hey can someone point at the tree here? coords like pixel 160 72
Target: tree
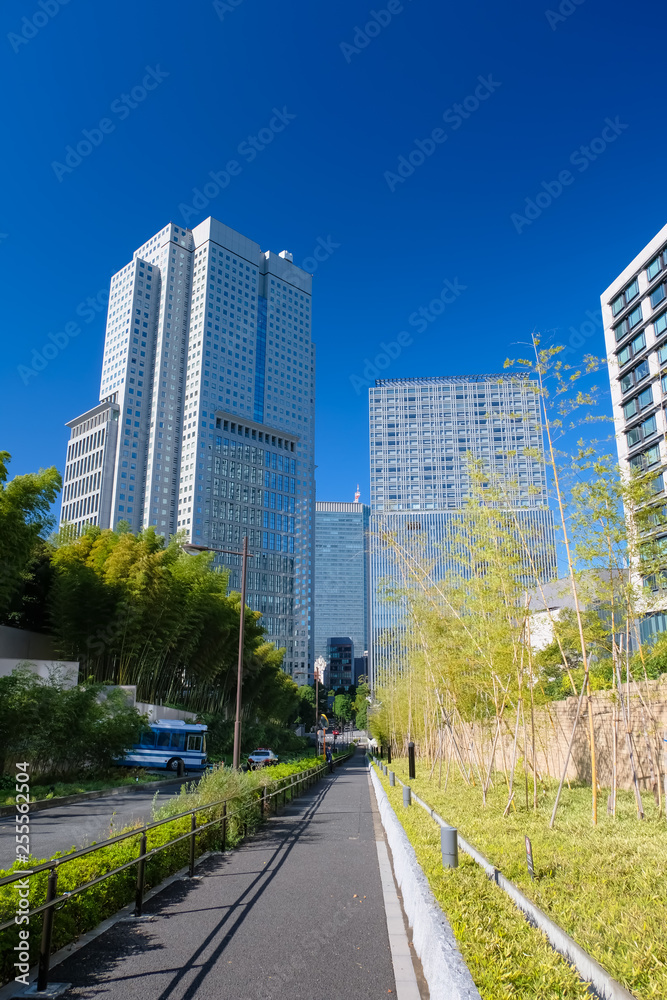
pixel 136 611
pixel 63 730
pixel 343 707
pixel 25 504
pixel 360 706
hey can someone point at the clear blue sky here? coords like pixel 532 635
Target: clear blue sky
pixel 359 104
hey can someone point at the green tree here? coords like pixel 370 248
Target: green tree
pixel 360 706
pixel 25 504
pixel 63 730
pixel 343 707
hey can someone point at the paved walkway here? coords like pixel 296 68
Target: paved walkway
pixel 296 912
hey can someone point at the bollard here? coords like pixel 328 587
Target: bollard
pixel 411 759
pixel 141 868
pixel 389 754
pixel 223 830
pixel 193 828
pixel 47 929
pixel 392 779
pixel 407 795
pixel 180 769
pixel 449 846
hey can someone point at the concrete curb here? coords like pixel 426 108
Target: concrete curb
pixel 590 971
pixel 99 793
pixel 445 971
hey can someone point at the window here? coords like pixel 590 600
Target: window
pixel 642 432
pixel 657 296
pixel 660 324
pixel 654 268
pixel 194 742
pixel 617 305
pixel 635 376
pixel 632 290
pixel 635 317
pixel 634 347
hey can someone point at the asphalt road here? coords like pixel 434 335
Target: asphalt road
pixel 297 911
pixel 79 824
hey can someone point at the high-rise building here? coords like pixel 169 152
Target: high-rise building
pixel 205 424
pixel 340 662
pixel 342 579
pixel 634 313
pixel 422 431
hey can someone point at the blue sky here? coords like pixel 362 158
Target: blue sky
pixel 362 98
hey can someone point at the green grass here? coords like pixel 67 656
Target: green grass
pixel 604 885
pixel 58 789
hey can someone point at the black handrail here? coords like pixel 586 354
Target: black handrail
pixel 52 866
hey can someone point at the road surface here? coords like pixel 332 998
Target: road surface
pixel 80 823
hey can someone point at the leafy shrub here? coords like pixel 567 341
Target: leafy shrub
pixel 85 910
pixel 62 731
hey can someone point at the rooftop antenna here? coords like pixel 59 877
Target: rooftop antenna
pixel 357 494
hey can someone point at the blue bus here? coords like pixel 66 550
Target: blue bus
pixel 166 743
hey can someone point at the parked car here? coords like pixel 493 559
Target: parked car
pixel 262 757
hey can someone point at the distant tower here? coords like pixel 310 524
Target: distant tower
pixel 357 494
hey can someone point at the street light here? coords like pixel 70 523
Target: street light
pixel 194 550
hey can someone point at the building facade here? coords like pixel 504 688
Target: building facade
pixel 634 313
pixel 422 432
pixel 342 574
pixel 206 418
pixel 340 662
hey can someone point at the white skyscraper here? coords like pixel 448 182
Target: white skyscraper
pixel 206 419
pixel 634 312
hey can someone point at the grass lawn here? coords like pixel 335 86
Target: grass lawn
pixel 60 788
pixel 604 885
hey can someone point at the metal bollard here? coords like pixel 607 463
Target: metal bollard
pixel 180 769
pixel 407 795
pixel 411 759
pixel 384 769
pixel 47 930
pixel 449 846
pixel 141 869
pixel 392 779
pixel 193 828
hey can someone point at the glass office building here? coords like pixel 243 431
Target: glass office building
pixel 422 432
pixel 341 574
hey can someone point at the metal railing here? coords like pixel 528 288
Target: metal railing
pixel 290 784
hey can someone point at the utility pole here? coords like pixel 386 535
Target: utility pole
pixel 245 555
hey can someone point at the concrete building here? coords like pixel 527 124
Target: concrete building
pixel 205 424
pixel 421 433
pixel 342 574
pixel 340 662
pixel 634 313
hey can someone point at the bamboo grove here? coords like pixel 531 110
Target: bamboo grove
pixel 485 662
